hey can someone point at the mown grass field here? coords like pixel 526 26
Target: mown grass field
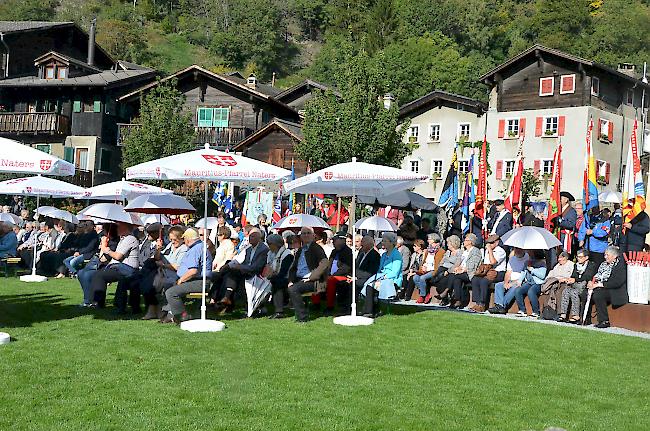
pixel 71 369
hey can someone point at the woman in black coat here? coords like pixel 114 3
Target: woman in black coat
pixel 611 288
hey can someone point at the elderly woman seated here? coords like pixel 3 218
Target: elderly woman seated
pixel 583 272
pixel 450 261
pixel 609 285
pixel 389 276
pixel 556 279
pixel 463 274
pixel 531 285
pixel 278 262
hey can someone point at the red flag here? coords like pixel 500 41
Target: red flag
pixel 555 206
pixel 514 196
pixel 481 187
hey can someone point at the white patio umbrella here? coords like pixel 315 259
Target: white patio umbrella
pixel 611 197
pixel 39 186
pixel 121 190
pixel 376 223
pixel 352 179
pixel 23 159
pixel 60 214
pixel 208 165
pixel 160 204
pixel 530 238
pixel 297 221
pixel 9 218
pixel 207 223
pixel 112 213
pixel 403 200
pixel 155 218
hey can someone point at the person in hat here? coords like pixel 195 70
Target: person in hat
pixel 190 278
pixel 340 268
pixel 567 221
pixel 493 270
pixel 501 221
pixel 594 234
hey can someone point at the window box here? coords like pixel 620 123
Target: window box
pixel 602 181
pixel 512 134
pixel 413 139
pixel 436 176
pixel 549 133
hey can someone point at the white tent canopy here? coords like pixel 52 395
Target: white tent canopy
pixel 23 159
pixel 120 190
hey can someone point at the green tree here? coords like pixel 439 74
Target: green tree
pixel 163 130
pixel 27 10
pixel 122 40
pixel 530 185
pixel 357 125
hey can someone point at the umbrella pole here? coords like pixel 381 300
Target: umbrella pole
pixel 38 202
pixel 205 249
pixel 354 262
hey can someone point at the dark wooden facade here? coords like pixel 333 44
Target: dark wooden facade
pixel 517 82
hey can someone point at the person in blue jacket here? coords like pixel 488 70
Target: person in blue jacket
pixel 388 278
pixel 8 241
pixel 531 286
pixel 595 234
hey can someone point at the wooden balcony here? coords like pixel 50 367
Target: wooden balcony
pixel 82 178
pixel 34 123
pixel 220 137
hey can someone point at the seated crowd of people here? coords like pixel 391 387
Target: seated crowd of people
pixel 158 266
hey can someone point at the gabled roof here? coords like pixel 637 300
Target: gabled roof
pixel 19 26
pixel 194 69
pixel 269 90
pixel 125 65
pixel 306 84
pixel 65 59
pixel 108 79
pixel 294 130
pixel 437 98
pixel 538 50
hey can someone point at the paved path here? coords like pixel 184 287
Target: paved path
pixel 434 307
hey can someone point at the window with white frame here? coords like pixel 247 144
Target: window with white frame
pixel 415 166
pixel 463 131
pixel 509 168
pixel 436 167
pixel 547 167
pixel 414 132
pixel 512 126
pixel 595 86
pixel 463 166
pixel 546 86
pixel 550 126
pixel 434 132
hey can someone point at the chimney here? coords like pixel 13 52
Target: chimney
pixel 273 80
pixel 91 42
pixel 388 100
pixel 251 81
pixel 628 69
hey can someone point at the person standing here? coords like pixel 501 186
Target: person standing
pixel 567 222
pixel 595 238
pixel 501 221
pixel 634 233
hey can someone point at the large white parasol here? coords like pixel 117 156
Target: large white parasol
pixel 208 165
pixel 39 186
pixel 111 213
pixel 22 159
pixel 296 221
pixel 351 179
pixel 121 190
pixel 403 200
pixel 530 238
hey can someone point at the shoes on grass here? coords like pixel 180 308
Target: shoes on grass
pixel 521 314
pixel 602 325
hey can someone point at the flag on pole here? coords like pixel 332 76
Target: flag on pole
pixel 469 197
pixel 449 196
pixel 220 193
pixel 555 206
pixel 590 190
pixel 291 195
pixel 514 195
pixel 633 189
pixel 481 186
pixel 244 221
pixel 277 207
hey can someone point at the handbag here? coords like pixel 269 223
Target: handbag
pixel 483 269
pixel 491 275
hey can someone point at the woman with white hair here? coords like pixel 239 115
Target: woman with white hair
pixel 464 273
pixel 609 285
pixel 383 284
pixel 278 262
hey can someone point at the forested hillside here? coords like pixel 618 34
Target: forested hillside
pixel 419 44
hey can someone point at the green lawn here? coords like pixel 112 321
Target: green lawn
pixel 82 370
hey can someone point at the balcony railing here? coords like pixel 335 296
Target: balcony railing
pixel 82 178
pixel 220 137
pixel 34 123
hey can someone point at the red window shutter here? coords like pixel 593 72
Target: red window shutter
pixel 607 166
pixel 499 169
pixel 610 132
pixel 539 122
pixel 560 125
pixel 595 136
pixel 522 127
pixel 537 167
pixel 502 128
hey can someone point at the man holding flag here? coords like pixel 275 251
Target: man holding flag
pixel 636 223
pixel 448 201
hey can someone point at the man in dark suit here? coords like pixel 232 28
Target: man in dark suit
pixel 237 270
pixel 609 285
pixel 308 272
pixel 501 221
pixel 367 265
pixel 633 239
pixel 340 268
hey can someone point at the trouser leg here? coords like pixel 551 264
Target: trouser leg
pixel 295 293
pixel 533 297
pixel 277 291
pixel 601 298
pixel 369 304
pixel 177 292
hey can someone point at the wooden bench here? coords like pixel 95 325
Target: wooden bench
pixel 10 264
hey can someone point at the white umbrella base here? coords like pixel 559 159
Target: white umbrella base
pixel 353 321
pixel 33 278
pixel 202 325
pixel 4 338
